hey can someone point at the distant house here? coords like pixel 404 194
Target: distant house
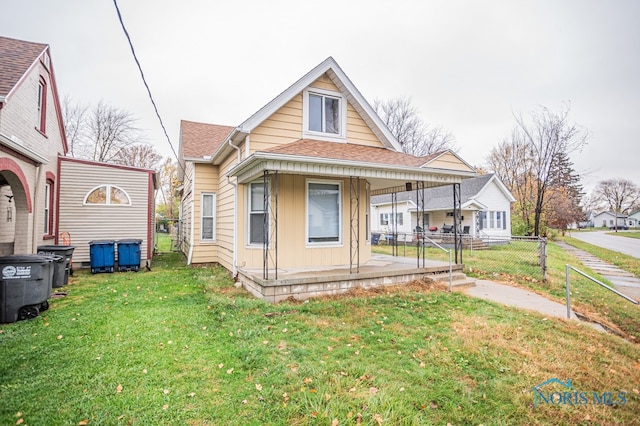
pixel 99 201
pixel 635 217
pixel 31 139
pixel 609 219
pixel 289 189
pixel 485 209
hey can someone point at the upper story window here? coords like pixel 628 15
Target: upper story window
pixel 325 114
pixel 108 195
pixel 42 106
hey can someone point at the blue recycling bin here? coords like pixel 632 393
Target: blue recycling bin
pixel 129 255
pixel 25 286
pixel 103 256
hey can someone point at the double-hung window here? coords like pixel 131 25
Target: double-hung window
pixel 324 212
pixel 208 226
pixel 258 212
pixel 324 114
pixel 42 106
pixel 48 198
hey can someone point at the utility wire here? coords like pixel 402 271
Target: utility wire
pixel 144 80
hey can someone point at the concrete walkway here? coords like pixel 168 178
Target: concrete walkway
pixel 519 298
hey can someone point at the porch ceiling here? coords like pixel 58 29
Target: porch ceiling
pixel 383 178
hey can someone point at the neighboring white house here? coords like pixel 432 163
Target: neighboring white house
pixel 608 220
pixel 635 217
pixel 485 208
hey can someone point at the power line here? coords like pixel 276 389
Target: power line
pixel 144 80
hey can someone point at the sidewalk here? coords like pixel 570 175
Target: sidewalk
pixel 518 297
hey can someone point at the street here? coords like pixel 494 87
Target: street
pixel 630 246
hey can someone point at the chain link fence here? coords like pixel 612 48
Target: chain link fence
pixel 483 255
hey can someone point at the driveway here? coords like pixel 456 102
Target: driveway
pixel 630 246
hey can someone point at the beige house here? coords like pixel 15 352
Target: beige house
pixel 31 139
pixel 283 199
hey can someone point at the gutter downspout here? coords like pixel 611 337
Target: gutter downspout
pixel 235 208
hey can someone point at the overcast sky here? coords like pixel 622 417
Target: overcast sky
pixel 468 66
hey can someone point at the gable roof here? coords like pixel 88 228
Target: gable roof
pixel 201 140
pixel 346 87
pixel 441 197
pixel 16 58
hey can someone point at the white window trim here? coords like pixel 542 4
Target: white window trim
pixel 331 137
pixel 340 214
pixel 47 207
pixel 249 244
pixel 108 200
pixel 202 217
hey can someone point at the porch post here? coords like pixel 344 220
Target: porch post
pixel 354 235
pixel 457 235
pixel 394 224
pixel 270 226
pixel 420 229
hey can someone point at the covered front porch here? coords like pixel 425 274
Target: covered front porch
pixel 294 262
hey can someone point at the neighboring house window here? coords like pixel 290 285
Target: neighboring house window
pixel 42 105
pixel 324 113
pixel 107 195
pixel 48 202
pixel 207 214
pixel 492 220
pixel 324 212
pixel 258 213
pixel 387 218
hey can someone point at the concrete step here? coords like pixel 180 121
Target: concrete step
pixel 458 279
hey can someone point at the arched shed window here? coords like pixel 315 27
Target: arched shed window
pixel 108 195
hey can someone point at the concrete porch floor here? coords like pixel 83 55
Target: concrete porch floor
pixel 303 283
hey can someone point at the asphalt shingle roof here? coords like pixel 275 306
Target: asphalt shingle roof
pixel 201 139
pixel 349 152
pixel 439 197
pixel 16 56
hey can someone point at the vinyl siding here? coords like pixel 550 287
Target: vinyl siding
pixel 206 182
pixel 293 251
pixel 450 162
pixel 87 223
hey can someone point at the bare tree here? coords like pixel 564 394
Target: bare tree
pixel 100 133
pixel 415 136
pixel 168 189
pixel 545 139
pixel 620 196
pixel 139 155
pixel 512 162
pixel 74 115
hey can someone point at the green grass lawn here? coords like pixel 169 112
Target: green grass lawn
pixel 180 345
pixel 587 298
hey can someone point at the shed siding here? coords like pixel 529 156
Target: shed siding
pixel 86 223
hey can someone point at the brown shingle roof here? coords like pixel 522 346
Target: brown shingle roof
pixel 350 152
pixel 201 139
pixel 16 56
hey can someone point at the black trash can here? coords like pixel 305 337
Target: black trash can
pixel 103 256
pixel 67 253
pixel 25 286
pixel 129 255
